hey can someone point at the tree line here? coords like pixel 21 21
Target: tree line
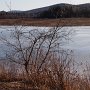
pixel 52 12
pixel 65 12
pixel 13 15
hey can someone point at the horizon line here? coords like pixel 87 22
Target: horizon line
pixel 44 7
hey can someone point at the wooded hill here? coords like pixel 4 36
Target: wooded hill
pixel 55 11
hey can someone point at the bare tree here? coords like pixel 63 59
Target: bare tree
pixel 9 6
pixel 27 45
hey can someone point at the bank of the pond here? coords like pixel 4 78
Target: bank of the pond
pixel 47 22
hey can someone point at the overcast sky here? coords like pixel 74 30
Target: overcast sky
pixel 32 4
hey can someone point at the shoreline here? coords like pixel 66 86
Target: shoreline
pixel 47 22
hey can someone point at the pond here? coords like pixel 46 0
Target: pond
pixel 79 42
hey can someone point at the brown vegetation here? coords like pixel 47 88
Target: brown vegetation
pixel 47 22
pixel 58 75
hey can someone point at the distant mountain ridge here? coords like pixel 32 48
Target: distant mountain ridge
pixel 69 10
pixel 46 8
pixel 81 10
pixel 61 5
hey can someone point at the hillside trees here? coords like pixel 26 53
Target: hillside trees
pixel 65 12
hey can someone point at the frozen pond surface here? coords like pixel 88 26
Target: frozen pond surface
pixel 79 43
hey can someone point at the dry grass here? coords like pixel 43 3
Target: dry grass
pixel 47 22
pixel 57 75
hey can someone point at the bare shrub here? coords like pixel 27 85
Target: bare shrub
pixel 32 47
pixel 37 61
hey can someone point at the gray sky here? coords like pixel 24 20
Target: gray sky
pixel 32 4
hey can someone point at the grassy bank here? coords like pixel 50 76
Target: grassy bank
pixel 61 76
pixel 47 22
